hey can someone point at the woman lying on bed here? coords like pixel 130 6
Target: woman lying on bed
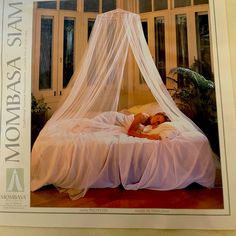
pixel 143 124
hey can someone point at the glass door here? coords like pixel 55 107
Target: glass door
pixel 161 35
pixel 55 52
pixel 45 50
pixel 188 25
pixel 66 49
pixel 181 40
pixel 146 24
pixel 203 44
pixel 178 32
pixel 182 36
pixel 155 28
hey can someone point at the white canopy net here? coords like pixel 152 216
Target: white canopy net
pixel 75 150
pixel 95 86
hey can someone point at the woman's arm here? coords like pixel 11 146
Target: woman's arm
pixel 138 119
pixel 134 133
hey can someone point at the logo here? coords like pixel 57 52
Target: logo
pixel 15 180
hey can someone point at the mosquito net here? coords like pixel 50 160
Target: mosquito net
pixel 95 86
pixel 75 150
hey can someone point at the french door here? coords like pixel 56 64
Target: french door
pixel 55 52
pixel 176 37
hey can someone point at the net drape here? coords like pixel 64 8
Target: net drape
pixel 95 86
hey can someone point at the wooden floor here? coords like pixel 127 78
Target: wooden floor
pixel 193 197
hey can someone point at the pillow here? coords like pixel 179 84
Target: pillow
pixel 150 108
pixel 165 130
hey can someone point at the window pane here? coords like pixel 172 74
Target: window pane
pixel 181 44
pixel 145 31
pixel 160 46
pixel 108 5
pixel 145 6
pixel 182 3
pixel 160 5
pixel 68 5
pixel 203 43
pixel 46 40
pixel 197 2
pixel 47 4
pixel 182 40
pixel 90 26
pixel 68 51
pixel 91 5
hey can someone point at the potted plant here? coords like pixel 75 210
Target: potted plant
pixel 39 112
pixel 195 96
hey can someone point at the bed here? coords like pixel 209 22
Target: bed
pixel 97 153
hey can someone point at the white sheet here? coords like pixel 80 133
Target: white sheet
pixel 84 154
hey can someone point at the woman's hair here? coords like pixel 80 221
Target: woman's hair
pixel 164 115
pixel 148 121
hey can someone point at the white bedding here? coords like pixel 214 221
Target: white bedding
pixel 82 154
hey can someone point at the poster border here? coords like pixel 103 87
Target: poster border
pixel 225 185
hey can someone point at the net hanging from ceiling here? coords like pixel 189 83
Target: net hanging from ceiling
pixel 77 151
pixel 95 86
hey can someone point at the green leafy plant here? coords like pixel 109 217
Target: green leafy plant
pixel 38 105
pixel 194 93
pixel 195 96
